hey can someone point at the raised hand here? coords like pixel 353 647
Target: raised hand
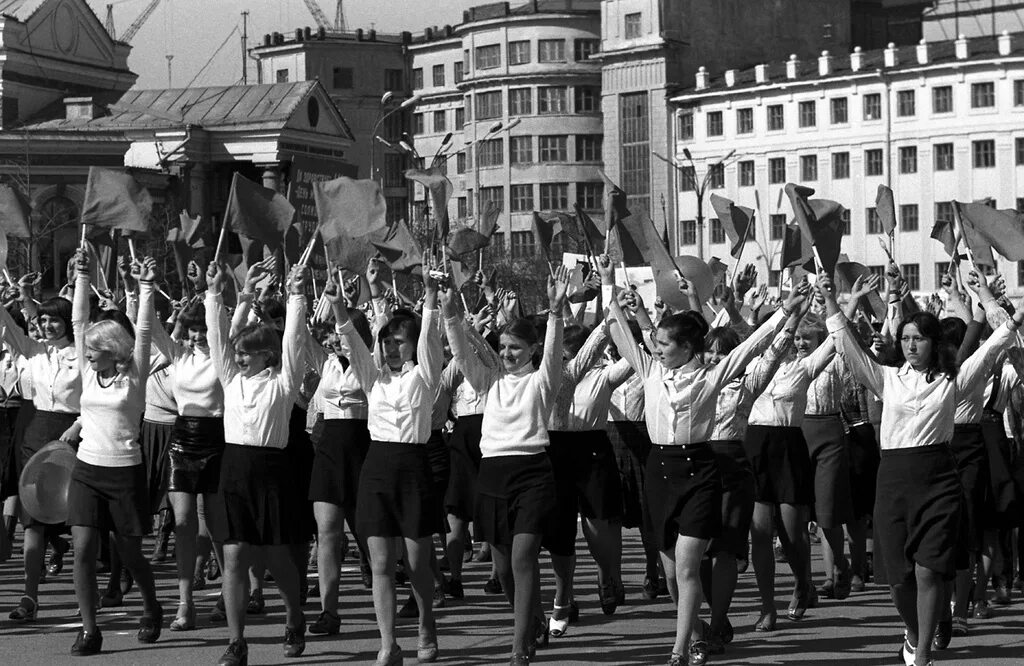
pixel 331 291
pixel 145 270
pixel 298 278
pixel 797 296
pixel 605 269
pixel 758 298
pixel 745 281
pixel 864 285
pixel 558 283
pixel 81 260
pixel 216 275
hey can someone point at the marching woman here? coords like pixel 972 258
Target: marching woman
pixel 108 490
pixel 396 497
pixel 918 508
pixel 684 488
pixel 260 372
pixel 516 486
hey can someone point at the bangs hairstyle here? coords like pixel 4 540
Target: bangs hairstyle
pixel 812 323
pixel 117 317
pixel 943 360
pixel 58 308
pixel 722 339
pixel 402 322
pixel 574 336
pixel 953 330
pixel 259 339
pixel 686 328
pixel 194 316
pixel 524 329
pixel 109 336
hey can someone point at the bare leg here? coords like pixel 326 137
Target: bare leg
pixel 685 563
pixel 130 548
pixel 526 578
pixel 455 544
pixel 186 522
pixel 329 523
pixel 604 538
pixel 565 569
pixel 33 549
pixel 419 553
pixel 235 586
pixel 857 531
pixel 929 598
pixel 795 542
pixel 281 560
pixel 763 559
pixel 87 547
pixel 384 553
pixel 723 586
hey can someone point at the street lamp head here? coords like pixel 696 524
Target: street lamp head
pixel 384 141
pixel 447 139
pixel 686 151
pixel 496 127
pixel 406 147
pixel 386 97
pixel 412 101
pixel 730 154
pixel 512 123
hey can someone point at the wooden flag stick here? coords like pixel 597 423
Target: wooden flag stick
pixel 95 290
pixel 818 263
pixel 304 259
pixel 220 241
pixel 959 221
pixel 743 244
pixel 81 243
pixel 131 249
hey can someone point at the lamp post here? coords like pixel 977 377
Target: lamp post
pixel 383 115
pixel 493 131
pixel 700 189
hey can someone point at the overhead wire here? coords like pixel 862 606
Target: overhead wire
pixel 231 34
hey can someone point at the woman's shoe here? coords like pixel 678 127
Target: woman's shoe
pixel 766 622
pixel 827 590
pixel 609 600
pixel 427 652
pixel 390 657
pixel 327 624
pixel 542 635
pixel 60 548
pixel 698 653
pixel 677 660
pixel 26 610
pixel 185 620
pixel 127 582
pixel 295 641
pixel 907 651
pixel 256 604
pixel 982 611
pixel 561 618
pixel 519 659
pixel 493 586
pixel 237 654
pixel 87 644
pixel 943 634
pixel 842 586
pixel 150 625
pixel 799 604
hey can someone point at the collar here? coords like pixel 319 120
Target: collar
pixel 523 371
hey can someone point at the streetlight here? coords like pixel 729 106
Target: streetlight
pixel 494 129
pixel 382 116
pixel 699 188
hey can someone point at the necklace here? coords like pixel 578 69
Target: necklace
pixel 110 381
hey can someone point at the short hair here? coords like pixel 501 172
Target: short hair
pixel 259 339
pixel 272 309
pixel 194 316
pixel 402 322
pixel 686 327
pixel 58 308
pixel 724 338
pixel 812 323
pixel 118 317
pixel 524 329
pixel 574 336
pixel 954 330
pixel 110 336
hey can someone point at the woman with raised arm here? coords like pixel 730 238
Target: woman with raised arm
pixel 516 486
pixel 108 490
pixel 919 500
pixel 260 373
pixel 396 497
pixel 684 488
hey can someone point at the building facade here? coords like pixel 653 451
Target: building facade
pixel 948 19
pixel 936 122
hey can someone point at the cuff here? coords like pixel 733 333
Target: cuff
pixel 836 322
pixel 607 293
pixel 344 328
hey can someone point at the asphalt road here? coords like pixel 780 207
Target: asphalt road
pixel 861 630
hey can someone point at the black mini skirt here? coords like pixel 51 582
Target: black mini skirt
pixel 464 452
pixel 782 465
pixel 396 495
pixel 684 493
pixel 261 499
pixel 515 495
pixel 339 454
pixel 196 450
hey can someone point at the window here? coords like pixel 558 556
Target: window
pixel 282 76
pixel 488 105
pixel 879 272
pixel 943 157
pixel 522 198
pixel 908 159
pixel 551 50
pixel 396 207
pixel 941 271
pixel 460 118
pixel 520 101
pixel 715 123
pixel 341 78
pixel 495 194
pixel 551 99
pixel 944 212
pixel 687 179
pixel 520 149
pixel 717 232
pixel 777 170
pixel 874 164
pixel 774 278
pixel 590 196
pixel 983 154
pixel 635 146
pixel 584 48
pixel 808 114
pixel 1018 92
pixel 912 274
pixel 840 166
pixel 497 248
pixel 460 163
pixel 460 210
pixel 553 149
pixel 983 95
pixel 394 166
pixel 716 176
pixel 440 122
pixel 438 74
pixel 417 78
pixel 587 99
pixel 518 53
pixel 942 99
pixel 873 107
pixel 776 117
pixel 845 217
pixel 686 126
pixel 840 111
pixel 490 153
pixel 418 123
pixel 457 72
pixel 1018 151
pixel 874 223
pixel 554 196
pixel 906 105
pixel 393 127
pixel 908 217
pixel 488 57
pixel 522 245
pixel 808 167
pixel 777 222
pixel 688 232
pixel 588 147
pixel 394 80
pixel 746 173
pixel 632 26
pixel 744 121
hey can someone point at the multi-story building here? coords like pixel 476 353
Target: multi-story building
pixel 948 19
pixel 936 122
pixel 529 68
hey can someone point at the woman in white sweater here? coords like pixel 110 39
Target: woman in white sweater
pixel 108 488
pixel 516 486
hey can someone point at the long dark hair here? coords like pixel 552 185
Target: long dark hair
pixel 943 360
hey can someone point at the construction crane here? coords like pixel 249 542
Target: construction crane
pixel 109 24
pixel 339 18
pixel 137 25
pixel 321 18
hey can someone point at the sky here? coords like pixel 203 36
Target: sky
pixel 193 30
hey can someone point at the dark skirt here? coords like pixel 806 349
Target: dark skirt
pixel 586 484
pixel 464 453
pixel 440 473
pixel 42 428
pixel 109 499
pixel 339 455
pixel 515 495
pixel 684 493
pixel 261 499
pixel 301 455
pixel 9 453
pixel 782 465
pixel 396 492
pixel 156 443
pixel 1004 506
pixel 918 511
pixel 737 497
pixel 971 458
pixel 632 446
pixel 830 462
pixel 864 459
pixel 197 447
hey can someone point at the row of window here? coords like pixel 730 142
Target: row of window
pixel 524 198
pixel 983 96
pixel 438 75
pixel 547 100
pixel 521 52
pixel 550 149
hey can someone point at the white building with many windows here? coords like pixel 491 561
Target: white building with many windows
pixel 936 122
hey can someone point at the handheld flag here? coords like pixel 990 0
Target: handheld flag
pixel 258 213
pixel 114 199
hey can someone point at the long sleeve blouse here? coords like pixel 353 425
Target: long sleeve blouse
pixel 56 383
pixel 784 402
pixel 573 372
pixel 592 399
pixel 196 388
pixel 737 397
pixel 339 394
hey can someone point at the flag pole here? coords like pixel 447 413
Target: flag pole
pixel 304 258
pixel 743 245
pixel 81 243
pixel 220 240
pixel 959 221
pixel 131 249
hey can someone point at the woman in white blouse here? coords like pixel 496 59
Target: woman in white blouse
pixel 396 499
pixel 261 373
pixel 919 497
